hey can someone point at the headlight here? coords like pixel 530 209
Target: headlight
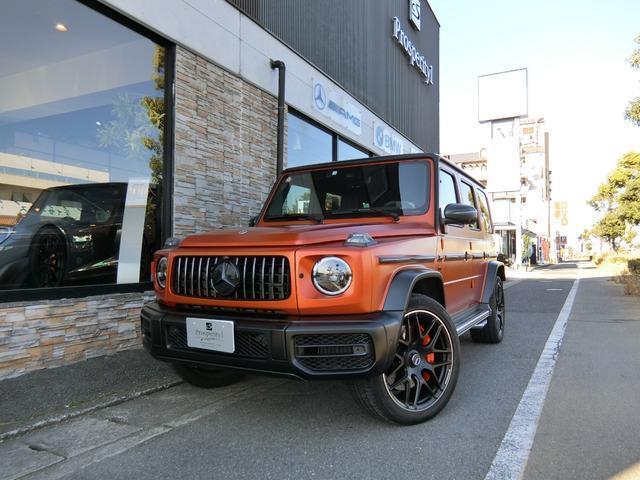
pixel 331 275
pixel 161 272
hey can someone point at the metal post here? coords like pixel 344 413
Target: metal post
pixel 279 64
pixel 518 223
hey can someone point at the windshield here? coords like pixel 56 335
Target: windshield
pixel 94 204
pixel 394 189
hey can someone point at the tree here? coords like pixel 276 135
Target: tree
pixel 621 191
pixel 619 199
pixel 610 228
pixel 632 112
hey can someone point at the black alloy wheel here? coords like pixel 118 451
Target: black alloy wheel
pixel 424 370
pixel 48 259
pixel 423 363
pixel 493 330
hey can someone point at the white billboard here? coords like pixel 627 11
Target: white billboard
pixel 502 95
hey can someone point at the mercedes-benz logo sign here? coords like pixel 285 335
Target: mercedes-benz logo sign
pixel 319 96
pixel 225 278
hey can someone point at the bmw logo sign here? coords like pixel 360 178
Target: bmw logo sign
pixel 319 96
pixel 380 136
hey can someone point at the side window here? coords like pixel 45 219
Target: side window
pixel 485 216
pixel 446 190
pixel 466 197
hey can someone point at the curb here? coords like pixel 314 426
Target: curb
pixel 83 411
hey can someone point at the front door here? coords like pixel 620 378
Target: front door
pixel 454 256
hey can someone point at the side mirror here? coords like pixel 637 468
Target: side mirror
pixel 459 214
pixel 253 221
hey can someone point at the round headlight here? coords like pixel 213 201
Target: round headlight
pixel 331 275
pixel 161 272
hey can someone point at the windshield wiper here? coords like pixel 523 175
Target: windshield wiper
pixel 298 216
pixel 379 211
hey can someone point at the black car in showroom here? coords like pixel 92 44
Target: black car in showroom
pixel 71 236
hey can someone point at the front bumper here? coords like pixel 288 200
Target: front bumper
pixel 305 347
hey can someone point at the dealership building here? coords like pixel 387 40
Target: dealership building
pixel 124 123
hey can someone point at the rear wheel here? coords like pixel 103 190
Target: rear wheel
pixel 424 371
pixel 493 331
pixel 205 377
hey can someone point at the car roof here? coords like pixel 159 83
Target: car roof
pixel 392 158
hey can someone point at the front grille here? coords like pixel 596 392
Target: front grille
pixel 261 277
pixel 145 328
pixel 248 343
pixel 327 352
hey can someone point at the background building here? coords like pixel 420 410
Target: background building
pixel 123 123
pixel 535 193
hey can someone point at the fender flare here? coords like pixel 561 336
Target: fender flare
pixel 397 300
pixel 402 285
pixel 494 269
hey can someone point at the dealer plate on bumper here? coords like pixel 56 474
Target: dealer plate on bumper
pixel 210 334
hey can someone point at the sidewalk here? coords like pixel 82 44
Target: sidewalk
pixel 591 417
pixel 51 395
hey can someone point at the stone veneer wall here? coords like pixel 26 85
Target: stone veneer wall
pixel 225 164
pixel 225 147
pixel 58 332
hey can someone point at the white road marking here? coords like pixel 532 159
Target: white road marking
pixel 511 459
pixel 554 289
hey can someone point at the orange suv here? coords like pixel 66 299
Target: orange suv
pixel 365 270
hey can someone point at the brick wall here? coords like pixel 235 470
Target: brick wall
pixel 225 164
pixel 58 332
pixel 225 147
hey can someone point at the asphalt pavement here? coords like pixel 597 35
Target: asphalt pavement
pixel 274 428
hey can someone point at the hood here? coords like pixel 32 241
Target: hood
pixel 301 234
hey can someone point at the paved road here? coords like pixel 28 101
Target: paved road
pixel 590 424
pixel 273 428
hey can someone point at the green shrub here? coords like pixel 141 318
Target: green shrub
pixel 634 266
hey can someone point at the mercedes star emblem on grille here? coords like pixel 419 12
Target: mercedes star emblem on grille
pixel 225 278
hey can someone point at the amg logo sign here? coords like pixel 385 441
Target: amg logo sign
pixel 416 59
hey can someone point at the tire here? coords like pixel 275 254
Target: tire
pixel 204 377
pixel 493 331
pixel 425 368
pixel 47 259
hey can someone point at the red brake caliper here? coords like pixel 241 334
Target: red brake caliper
pixel 430 357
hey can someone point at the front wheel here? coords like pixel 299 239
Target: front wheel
pixel 47 259
pixel 424 371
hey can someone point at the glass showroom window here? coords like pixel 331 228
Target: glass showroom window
pixel 346 151
pixel 81 147
pixel 307 143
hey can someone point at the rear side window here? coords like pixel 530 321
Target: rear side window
pixel 447 190
pixel 467 197
pixel 485 216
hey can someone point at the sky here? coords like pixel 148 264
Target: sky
pixel 580 81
